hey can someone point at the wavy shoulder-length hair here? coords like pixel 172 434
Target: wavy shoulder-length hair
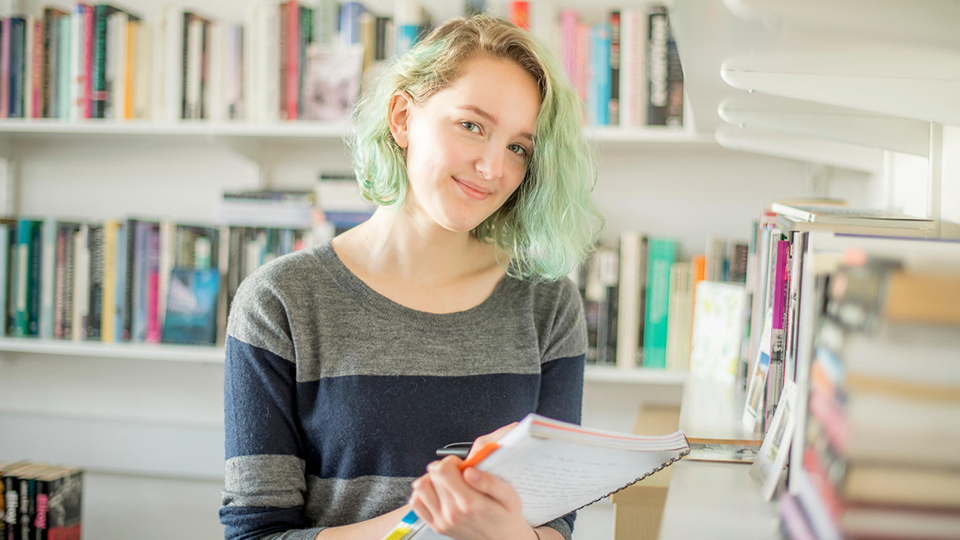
pixel 549 224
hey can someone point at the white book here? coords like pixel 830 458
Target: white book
pixel 233 85
pixel 116 74
pixel 168 230
pixel 248 64
pixel 558 468
pixel 77 77
pixel 81 283
pixel 194 58
pixel 213 94
pixel 143 72
pixel 633 39
pixel 628 316
pixel 48 267
pixel 173 44
pixel 680 315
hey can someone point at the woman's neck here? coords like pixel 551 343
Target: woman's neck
pixel 414 249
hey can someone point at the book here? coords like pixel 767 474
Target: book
pixel 662 253
pixel 846 215
pixel 630 303
pixel 558 468
pixel 333 81
pixel 192 303
pixel 717 328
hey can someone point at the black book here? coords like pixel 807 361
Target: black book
pixel 58 495
pixel 658 32
pixel 95 305
pixel 126 303
pixel 613 112
pixel 35 277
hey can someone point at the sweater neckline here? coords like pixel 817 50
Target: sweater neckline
pixel 370 299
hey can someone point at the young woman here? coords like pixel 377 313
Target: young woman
pixel 444 317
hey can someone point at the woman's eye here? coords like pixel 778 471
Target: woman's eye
pixel 518 150
pixel 470 126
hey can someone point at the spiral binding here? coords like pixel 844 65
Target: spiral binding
pixel 656 470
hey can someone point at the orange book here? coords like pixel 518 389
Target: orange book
pixel 520 14
pixel 127 112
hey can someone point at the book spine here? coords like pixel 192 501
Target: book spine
pixel 153 286
pixel 138 329
pixel 95 286
pixel 662 256
pixel 37 58
pixel 35 276
pixel 100 93
pixel 607 315
pixel 120 272
pixel 4 276
pixel 292 52
pixel 306 38
pixel 89 38
pixel 17 60
pixel 568 42
pixel 644 255
pixel 48 64
pixel 109 288
pixel 68 489
pixel 64 67
pixel 81 283
pixel 658 33
pixel 167 255
pixel 48 281
pixel 520 14
pixel 203 101
pixel 673 114
pixel 629 301
pixel 27 508
pixel 778 333
pixel 131 49
pixel 26 79
pixel 69 271
pixel 14 280
pixel 613 110
pixel 61 276
pixel 5 41
pixel 76 82
pixel 24 233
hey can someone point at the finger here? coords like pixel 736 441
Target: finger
pixel 493 487
pixel 447 480
pixel 416 503
pixel 489 438
pixel 425 494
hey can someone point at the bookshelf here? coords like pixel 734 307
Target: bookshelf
pixel 662 182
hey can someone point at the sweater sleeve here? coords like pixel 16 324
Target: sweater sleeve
pixel 265 482
pixel 561 371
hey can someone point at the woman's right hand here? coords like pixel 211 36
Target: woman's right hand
pixel 489 438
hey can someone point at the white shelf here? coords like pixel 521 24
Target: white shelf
pixel 838 154
pixel 612 374
pixel 215 355
pixel 52 128
pixel 827 122
pixel 139 351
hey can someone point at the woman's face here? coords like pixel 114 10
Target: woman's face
pixel 468 145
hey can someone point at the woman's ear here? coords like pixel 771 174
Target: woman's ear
pixel 400 106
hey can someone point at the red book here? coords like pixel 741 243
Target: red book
pixel 153 286
pixel 818 477
pixel 520 14
pixel 87 60
pixel 293 55
pixel 36 84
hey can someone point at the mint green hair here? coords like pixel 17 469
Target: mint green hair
pixel 551 221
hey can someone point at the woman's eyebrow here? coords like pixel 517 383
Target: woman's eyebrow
pixel 490 118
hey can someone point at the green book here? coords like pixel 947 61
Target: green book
pixel 661 255
pixel 28 256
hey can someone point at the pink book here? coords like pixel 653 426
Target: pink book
pixel 293 53
pixel 583 54
pixel 37 71
pixel 87 59
pixel 153 286
pixel 568 42
pixel 5 69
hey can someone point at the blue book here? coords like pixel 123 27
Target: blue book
pixel 599 97
pixel 192 298
pixel 48 265
pixel 17 52
pixel 406 37
pixel 121 273
pixel 661 256
pixel 350 13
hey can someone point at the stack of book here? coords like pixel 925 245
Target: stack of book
pixel 777 254
pixel 881 456
pixel 625 68
pixel 639 299
pixel 132 280
pixel 286 61
pixel 40 501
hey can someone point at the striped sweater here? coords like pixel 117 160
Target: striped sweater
pixel 336 398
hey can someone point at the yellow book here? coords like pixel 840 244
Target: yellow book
pixel 132 28
pixel 108 320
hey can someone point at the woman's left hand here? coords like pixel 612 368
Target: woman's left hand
pixel 468 505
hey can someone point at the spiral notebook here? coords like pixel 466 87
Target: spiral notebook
pixel 558 468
